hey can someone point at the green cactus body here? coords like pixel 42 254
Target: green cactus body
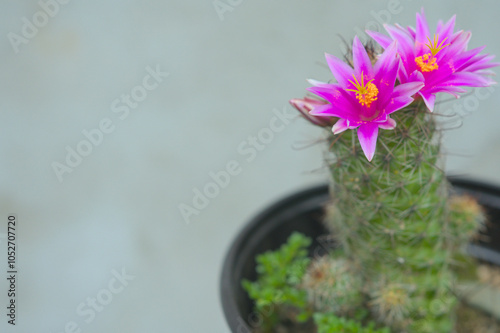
pixel 400 235
pixel 390 216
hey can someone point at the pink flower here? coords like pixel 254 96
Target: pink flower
pixel 442 59
pixel 365 95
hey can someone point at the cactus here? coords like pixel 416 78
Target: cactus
pixel 390 215
pixel 399 230
pixel 401 234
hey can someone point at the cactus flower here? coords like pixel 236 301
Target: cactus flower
pixel 442 58
pixel 364 96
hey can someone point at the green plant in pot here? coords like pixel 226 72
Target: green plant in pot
pixel 399 231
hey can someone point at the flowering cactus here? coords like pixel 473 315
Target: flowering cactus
pixel 365 96
pixel 391 213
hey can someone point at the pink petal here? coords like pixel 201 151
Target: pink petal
pixel 411 31
pixel 367 136
pixel 323 110
pixel 397 103
pixel 446 31
pixel 400 27
pixel 405 46
pixel 416 76
pixel 408 89
pixel 465 59
pixel 382 118
pixel 342 103
pixel 389 124
pixel 402 74
pixel 422 28
pixel 387 60
pixel 402 94
pixel 386 70
pixel 429 100
pixel 468 79
pixel 362 63
pixel 340 126
pixel 484 63
pixel 459 44
pixel 381 39
pixel 447 89
pixel 330 110
pixel 330 92
pixel 340 70
pixel 439 27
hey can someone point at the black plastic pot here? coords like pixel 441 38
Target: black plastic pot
pixel 303 212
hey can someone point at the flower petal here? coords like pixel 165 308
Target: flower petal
pixel 411 31
pixel 340 126
pixel 340 70
pixel 406 47
pixel 386 70
pixel 397 104
pixel 469 79
pixel 362 63
pixel 329 110
pixel 422 28
pixel 324 110
pixel 429 99
pixel 408 89
pixel 330 92
pixel 389 124
pixel 381 39
pixel 402 96
pixel 446 31
pixel 402 74
pixel 342 103
pixel 367 136
pixel 448 89
pixel 458 45
pixel 484 63
pixel 465 59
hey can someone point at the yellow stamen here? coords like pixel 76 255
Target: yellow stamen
pixel 367 93
pixel 433 45
pixel 427 63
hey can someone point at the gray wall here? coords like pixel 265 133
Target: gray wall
pixel 118 208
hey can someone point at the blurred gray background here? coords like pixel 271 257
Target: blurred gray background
pixel 103 245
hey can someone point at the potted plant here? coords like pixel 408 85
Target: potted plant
pixel 396 229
